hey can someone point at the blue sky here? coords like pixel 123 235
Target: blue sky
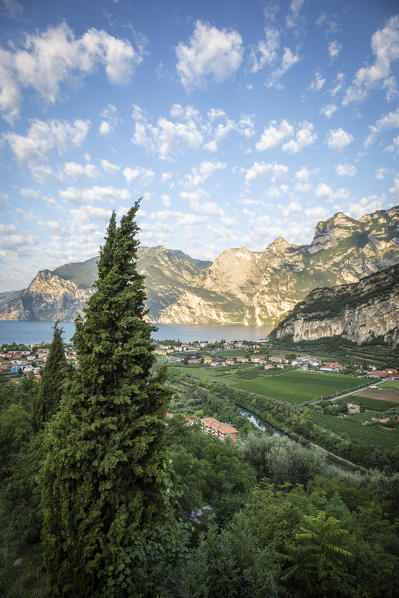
pixel 236 122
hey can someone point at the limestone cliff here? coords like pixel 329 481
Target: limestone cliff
pixel 359 311
pixel 63 293
pixel 245 287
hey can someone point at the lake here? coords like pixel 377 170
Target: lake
pixel 35 332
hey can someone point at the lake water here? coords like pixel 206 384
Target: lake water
pixel 35 332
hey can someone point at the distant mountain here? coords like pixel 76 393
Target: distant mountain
pixel 246 287
pixel 62 293
pixel 359 312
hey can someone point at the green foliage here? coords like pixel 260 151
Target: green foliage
pixel 52 382
pixel 103 477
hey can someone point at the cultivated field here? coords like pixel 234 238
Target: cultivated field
pixel 289 386
pixel 379 394
pixel 299 387
pixel 352 429
pixel 367 403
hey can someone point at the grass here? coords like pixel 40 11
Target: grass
pixel 351 429
pixel 299 387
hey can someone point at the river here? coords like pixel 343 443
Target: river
pixel 35 332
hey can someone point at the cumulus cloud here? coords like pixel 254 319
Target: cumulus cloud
pixel 93 194
pixel 109 167
pixel 380 173
pixel 198 202
pixel 288 60
pixel 345 170
pixel 366 205
pixel 110 120
pixel 200 174
pixel 266 50
pixel 146 175
pixel 317 84
pixel 186 129
pixel 328 110
pixel 385 123
pixel 42 137
pixel 79 171
pixel 338 139
pixel 324 191
pixel 260 169
pixel 210 54
pixel 48 59
pixel 274 135
pixel 316 212
pixel 395 188
pixel 303 174
pixel 334 48
pixel 385 47
pixel 304 137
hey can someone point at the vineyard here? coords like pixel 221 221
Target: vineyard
pixel 370 436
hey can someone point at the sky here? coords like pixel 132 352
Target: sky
pixel 235 122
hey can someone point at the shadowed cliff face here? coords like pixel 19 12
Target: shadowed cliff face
pixel 245 287
pixel 63 293
pixel 239 287
pixel 359 311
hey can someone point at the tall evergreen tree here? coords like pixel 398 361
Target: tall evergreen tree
pixel 103 478
pixel 48 399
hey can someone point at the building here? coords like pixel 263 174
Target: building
pixel 352 408
pixel 380 419
pixel 210 425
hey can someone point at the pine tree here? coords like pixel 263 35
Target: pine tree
pixel 103 478
pixel 48 399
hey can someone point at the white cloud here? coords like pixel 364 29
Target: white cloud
pixel 260 169
pixel 211 53
pixel 380 173
pixel 345 170
pixel 395 188
pixel 339 85
pixel 303 174
pixel 197 200
pixel 109 167
pixel 338 139
pixel 146 175
pixel 93 194
pixel 110 121
pixel 46 60
pixel 42 137
pixel 385 46
pixel 366 205
pixel 324 191
pixel 266 50
pixel 104 127
pixel 293 17
pixel 288 60
pixel 200 174
pixel 78 171
pixel 317 84
pixel 10 8
pixel 274 135
pixel 317 212
pixel 328 110
pixel 292 208
pixel 385 123
pixel 334 48
pixel 303 138
pixel 166 200
pixel 187 130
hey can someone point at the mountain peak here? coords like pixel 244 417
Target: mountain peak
pixel 279 244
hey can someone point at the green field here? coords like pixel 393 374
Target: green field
pixel 352 429
pixel 299 387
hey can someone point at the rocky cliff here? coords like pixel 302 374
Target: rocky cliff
pixel 62 293
pixel 245 287
pixel 359 311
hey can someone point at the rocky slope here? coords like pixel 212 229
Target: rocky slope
pixel 62 293
pixel 245 287
pixel 359 311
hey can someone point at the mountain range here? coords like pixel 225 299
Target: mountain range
pixel 239 287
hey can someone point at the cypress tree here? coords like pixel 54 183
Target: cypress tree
pixel 48 399
pixel 103 478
